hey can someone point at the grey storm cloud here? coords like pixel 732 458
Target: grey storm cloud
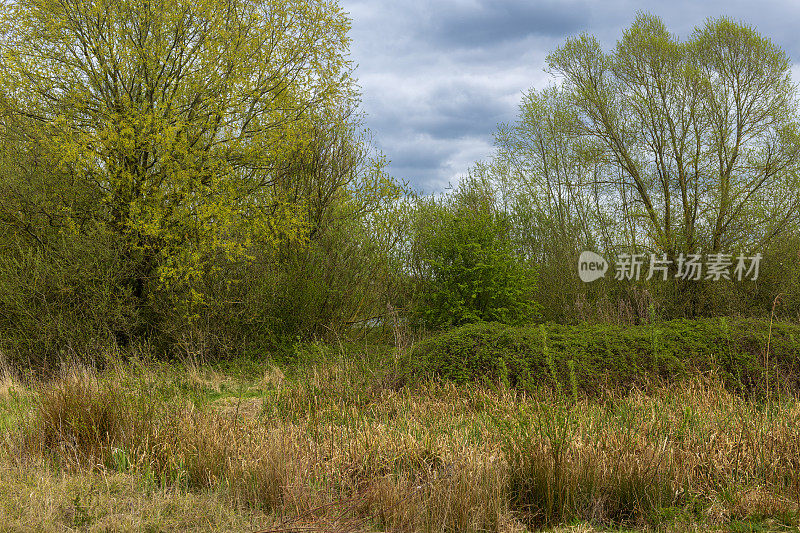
pixel 451 110
pixel 492 23
pixel 414 156
pixel 438 77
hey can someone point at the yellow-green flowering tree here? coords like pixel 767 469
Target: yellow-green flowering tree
pixel 169 122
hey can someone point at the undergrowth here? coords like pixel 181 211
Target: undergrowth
pixel 598 357
pixel 335 441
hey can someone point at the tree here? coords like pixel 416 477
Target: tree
pixel 659 146
pixel 341 276
pixel 168 121
pixel 701 136
pixel 543 174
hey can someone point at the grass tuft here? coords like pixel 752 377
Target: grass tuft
pixel 78 418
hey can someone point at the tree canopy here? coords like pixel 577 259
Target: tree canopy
pixel 698 138
pixel 657 146
pixel 169 121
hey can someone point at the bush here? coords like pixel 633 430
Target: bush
pixel 595 357
pixel 467 267
pixel 66 300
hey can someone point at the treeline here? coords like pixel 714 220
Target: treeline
pixel 660 146
pixel 195 178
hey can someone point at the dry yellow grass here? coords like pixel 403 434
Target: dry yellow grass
pixel 337 449
pixel 7 385
pixel 35 498
pixel 7 381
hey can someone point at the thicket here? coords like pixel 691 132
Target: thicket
pixel 592 358
pixel 663 145
pixel 205 200
pixel 142 217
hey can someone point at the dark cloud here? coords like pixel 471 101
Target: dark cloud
pixel 450 111
pixel 492 23
pixel 465 123
pixel 437 77
pixel 417 154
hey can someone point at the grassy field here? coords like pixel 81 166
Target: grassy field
pixel 338 439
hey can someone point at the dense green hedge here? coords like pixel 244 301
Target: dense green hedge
pixel 596 357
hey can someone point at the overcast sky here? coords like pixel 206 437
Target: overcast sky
pixel 438 76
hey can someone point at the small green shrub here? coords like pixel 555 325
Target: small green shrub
pixel 467 267
pixel 594 357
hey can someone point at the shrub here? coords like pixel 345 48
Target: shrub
pixel 65 300
pixel 467 267
pixel 598 356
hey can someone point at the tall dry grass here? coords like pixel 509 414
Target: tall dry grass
pixel 7 380
pixel 332 446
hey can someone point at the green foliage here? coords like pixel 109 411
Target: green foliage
pixel 66 301
pixel 467 266
pixel 542 173
pixel 592 358
pixel 328 286
pixel 176 117
pixel 659 145
pixel 323 289
pixel 190 174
